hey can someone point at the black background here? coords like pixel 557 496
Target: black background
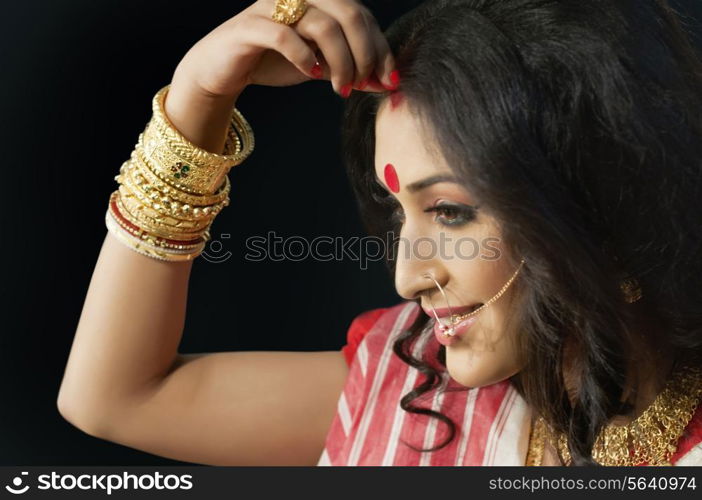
pixel 77 81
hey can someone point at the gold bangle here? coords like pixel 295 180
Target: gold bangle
pixel 144 248
pixel 184 165
pixel 138 207
pixel 153 240
pixel 142 174
pixel 165 205
pixel 144 228
pixel 238 146
pixel 166 131
pixel 170 191
pixel 142 169
pixel 140 230
pixel 156 227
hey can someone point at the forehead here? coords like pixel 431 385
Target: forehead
pixel 401 139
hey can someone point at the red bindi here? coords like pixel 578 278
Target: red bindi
pixel 391 178
pixel 396 99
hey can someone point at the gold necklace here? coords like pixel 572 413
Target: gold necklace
pixel 651 438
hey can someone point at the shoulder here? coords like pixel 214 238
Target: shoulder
pixel 378 321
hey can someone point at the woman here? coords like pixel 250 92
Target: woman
pixel 537 165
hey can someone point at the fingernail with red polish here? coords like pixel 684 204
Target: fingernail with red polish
pixel 346 90
pixel 363 84
pixel 395 78
pixel 316 70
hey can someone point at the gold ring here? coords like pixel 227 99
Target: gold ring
pixel 288 11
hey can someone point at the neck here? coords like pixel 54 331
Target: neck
pixel 648 371
pixel 646 378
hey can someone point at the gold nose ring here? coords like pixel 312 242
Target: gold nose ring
pixel 446 330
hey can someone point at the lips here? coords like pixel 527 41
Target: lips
pixel 444 312
pixel 459 330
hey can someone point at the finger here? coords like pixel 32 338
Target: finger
pixel 385 63
pixel 326 32
pixel 352 17
pixel 263 32
pixel 372 84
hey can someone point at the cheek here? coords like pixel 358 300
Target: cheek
pixel 488 356
pixel 479 368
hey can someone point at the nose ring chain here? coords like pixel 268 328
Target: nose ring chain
pixel 449 329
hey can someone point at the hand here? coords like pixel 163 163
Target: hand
pixel 250 48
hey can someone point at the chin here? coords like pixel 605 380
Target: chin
pixel 472 369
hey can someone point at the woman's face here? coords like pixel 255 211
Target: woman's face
pixel 443 235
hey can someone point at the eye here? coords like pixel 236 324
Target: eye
pixel 451 214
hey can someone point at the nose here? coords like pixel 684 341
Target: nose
pixel 412 268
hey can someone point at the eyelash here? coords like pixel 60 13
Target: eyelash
pixel 464 213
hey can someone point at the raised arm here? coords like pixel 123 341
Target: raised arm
pixel 124 380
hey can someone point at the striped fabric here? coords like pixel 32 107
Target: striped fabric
pixel 369 428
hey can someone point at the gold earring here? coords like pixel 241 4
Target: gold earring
pixel 631 289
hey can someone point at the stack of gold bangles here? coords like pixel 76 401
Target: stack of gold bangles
pixel 170 190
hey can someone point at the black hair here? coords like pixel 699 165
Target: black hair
pixel 578 126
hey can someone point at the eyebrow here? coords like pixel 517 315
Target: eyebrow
pixel 425 183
